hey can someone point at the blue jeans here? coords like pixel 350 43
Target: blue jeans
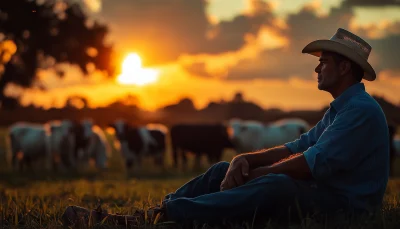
pixel 269 196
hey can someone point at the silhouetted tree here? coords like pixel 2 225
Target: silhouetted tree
pixel 184 105
pixel 45 34
pixel 187 104
pixel 238 98
pixel 10 103
pixel 129 100
pixel 77 102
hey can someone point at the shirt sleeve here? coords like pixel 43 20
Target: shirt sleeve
pixel 340 147
pixel 306 140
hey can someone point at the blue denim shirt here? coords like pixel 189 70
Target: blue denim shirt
pixel 348 150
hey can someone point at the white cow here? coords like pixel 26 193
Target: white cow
pixel 248 136
pixel 28 142
pixel 97 147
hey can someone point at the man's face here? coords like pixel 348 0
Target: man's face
pixel 328 72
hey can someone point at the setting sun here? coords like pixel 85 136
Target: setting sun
pixel 133 73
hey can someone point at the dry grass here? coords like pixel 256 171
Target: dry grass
pixel 42 197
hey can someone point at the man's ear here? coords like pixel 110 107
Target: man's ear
pixel 344 67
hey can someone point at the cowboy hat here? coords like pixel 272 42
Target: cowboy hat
pixel 348 45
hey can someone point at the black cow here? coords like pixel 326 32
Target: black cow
pixel 137 142
pixel 208 139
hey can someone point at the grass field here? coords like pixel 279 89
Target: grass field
pixel 42 197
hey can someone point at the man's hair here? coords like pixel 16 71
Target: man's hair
pixel 356 69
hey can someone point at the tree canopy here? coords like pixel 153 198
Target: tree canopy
pixel 39 35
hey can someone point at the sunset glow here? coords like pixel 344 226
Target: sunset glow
pixel 134 74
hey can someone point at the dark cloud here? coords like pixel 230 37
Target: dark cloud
pixel 278 63
pixel 371 2
pixel 305 27
pixel 283 63
pixel 162 30
pixel 388 52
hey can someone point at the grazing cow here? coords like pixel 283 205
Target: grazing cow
pixel 83 131
pixel 98 148
pixel 137 142
pixel 208 139
pixel 28 142
pixel 249 136
pixel 91 144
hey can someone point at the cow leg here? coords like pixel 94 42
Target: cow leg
pixel 139 160
pixel 159 159
pixel 49 152
pixel 184 160
pixel 19 161
pixel 71 152
pixel 28 162
pixel 15 160
pixel 128 164
pixel 56 161
pixel 175 157
pixel 197 160
pixel 15 152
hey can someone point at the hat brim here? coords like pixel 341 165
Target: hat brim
pixel 316 47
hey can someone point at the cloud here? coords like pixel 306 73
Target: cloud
pixel 371 2
pixel 378 30
pixel 387 49
pixel 198 69
pixel 306 26
pixel 217 66
pixel 283 63
pixel 162 30
pixel 93 5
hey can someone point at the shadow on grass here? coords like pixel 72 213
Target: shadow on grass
pixel 25 178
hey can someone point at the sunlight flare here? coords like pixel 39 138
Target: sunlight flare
pixel 134 74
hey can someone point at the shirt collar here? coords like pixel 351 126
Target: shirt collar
pixel 342 99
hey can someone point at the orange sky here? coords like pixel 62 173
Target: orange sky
pixel 267 68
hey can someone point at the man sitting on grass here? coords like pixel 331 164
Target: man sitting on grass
pixel 342 163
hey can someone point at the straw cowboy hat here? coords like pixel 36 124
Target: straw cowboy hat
pixel 348 45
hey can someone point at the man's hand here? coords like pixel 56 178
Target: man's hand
pixel 237 174
pixel 258 172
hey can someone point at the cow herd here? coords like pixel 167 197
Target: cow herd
pixel 68 144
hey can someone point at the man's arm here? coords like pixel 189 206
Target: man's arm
pixel 270 156
pixel 295 166
pixel 266 156
pixel 335 151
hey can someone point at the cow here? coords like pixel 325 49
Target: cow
pixel 250 136
pixel 62 143
pixel 26 143
pixel 91 144
pixel 137 142
pixel 97 148
pixel 208 139
pixel 52 141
